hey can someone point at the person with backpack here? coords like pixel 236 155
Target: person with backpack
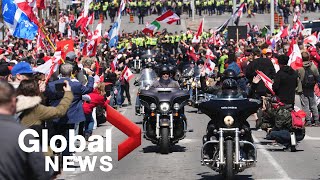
pixel 308 77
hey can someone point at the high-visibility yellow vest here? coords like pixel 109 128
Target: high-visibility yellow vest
pixel 179 4
pixel 230 2
pixel 305 1
pixel 317 1
pixel 218 3
pixel 297 1
pixel 209 3
pixel 172 41
pixel 197 3
pixel 105 6
pixel 169 3
pixel 140 3
pixel 205 3
pixel 154 41
pixel 90 5
pixel 148 3
pixel 177 38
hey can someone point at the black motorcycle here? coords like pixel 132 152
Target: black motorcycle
pixel 164 121
pixel 228 146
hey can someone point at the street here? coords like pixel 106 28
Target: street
pixel 184 162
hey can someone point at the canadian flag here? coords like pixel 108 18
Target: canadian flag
pixel 285 32
pixel 267 81
pixel 295 58
pixel 127 74
pixel 209 65
pixel 312 39
pixel 50 66
pixel 209 54
pixel 196 38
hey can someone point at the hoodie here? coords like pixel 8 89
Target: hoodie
pixel 285 83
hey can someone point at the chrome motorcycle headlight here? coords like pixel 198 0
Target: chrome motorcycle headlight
pixel 228 120
pixel 165 107
pixel 176 106
pixel 153 106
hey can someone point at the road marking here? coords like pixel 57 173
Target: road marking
pixel 272 161
pixel 185 141
pixel 306 137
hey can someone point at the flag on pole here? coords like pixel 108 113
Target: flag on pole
pixel 114 31
pixel 197 38
pixel 127 74
pixel 151 28
pixel 168 17
pixel 238 14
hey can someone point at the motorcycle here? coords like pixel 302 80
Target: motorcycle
pixel 230 149
pixel 164 122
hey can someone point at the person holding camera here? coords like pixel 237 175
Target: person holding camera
pixel 75 114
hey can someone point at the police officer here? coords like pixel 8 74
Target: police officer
pixel 141 11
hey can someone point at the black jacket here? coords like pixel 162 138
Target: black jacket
pixel 262 64
pixel 285 83
pixel 16 164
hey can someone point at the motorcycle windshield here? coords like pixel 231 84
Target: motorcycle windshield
pixel 231 102
pixel 147 77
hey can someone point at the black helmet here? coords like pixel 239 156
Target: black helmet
pixel 229 84
pixel 229 73
pixel 149 65
pixel 164 69
pixel 200 61
pixel 192 62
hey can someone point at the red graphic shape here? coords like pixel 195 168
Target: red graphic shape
pixel 126 126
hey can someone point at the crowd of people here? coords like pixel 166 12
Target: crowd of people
pixel 74 96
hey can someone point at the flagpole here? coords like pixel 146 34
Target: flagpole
pixel 49 40
pixel 192 7
pixel 234 8
pixel 272 16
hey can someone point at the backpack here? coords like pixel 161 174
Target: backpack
pixel 309 79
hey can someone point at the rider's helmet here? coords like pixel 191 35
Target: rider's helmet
pixel 192 62
pixel 164 70
pixel 229 84
pixel 149 65
pixel 200 61
pixel 229 74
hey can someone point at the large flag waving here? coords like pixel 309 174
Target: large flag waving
pixel 150 28
pixel 168 17
pixel 114 31
pixel 238 14
pixel 17 21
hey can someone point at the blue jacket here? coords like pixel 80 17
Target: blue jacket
pixel 75 113
pixel 234 66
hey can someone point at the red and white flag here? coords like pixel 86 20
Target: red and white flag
pixel 312 39
pixel 285 32
pixel 168 17
pixel 127 74
pixel 295 58
pixel 209 54
pixel 267 81
pixel 209 65
pixel 196 38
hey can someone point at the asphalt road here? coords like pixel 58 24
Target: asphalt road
pixel 184 162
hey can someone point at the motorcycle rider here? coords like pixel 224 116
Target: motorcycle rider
pixel 165 81
pixel 229 87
